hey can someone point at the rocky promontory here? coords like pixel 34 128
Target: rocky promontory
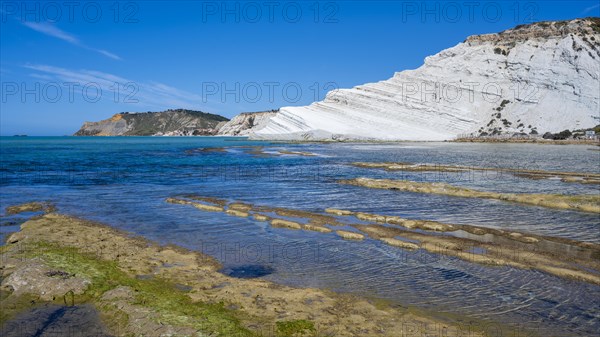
pixel 179 122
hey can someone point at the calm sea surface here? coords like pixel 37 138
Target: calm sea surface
pixel 123 182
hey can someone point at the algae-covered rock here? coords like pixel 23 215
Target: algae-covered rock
pixel 260 217
pixel 35 277
pixel 350 235
pixel 30 207
pixel 317 228
pixel 237 213
pixel 400 243
pixel 285 224
pixel 338 211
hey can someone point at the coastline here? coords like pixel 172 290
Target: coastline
pixel 528 141
pixel 585 142
pixel 395 222
pixel 350 141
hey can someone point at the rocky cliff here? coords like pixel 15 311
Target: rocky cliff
pixel 532 78
pixel 166 123
pixel 246 122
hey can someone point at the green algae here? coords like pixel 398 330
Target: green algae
pixel 295 328
pixel 171 305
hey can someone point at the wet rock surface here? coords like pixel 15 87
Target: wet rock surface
pixel 558 256
pixel 30 207
pixel 567 177
pixel 583 203
pixel 35 277
pixel 186 294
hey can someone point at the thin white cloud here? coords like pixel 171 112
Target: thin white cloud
pixel 148 94
pixel 591 8
pixel 108 54
pixel 53 31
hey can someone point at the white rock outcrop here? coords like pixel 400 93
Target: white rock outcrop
pixel 244 123
pixel 541 77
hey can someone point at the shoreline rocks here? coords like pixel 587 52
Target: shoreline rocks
pixel 106 264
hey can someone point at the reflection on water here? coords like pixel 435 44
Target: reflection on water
pixel 124 182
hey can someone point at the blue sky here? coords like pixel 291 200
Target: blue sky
pixel 63 63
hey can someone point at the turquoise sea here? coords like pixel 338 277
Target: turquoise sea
pixel 123 182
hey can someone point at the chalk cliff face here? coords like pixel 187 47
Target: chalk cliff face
pixel 244 123
pixel 166 123
pixel 539 77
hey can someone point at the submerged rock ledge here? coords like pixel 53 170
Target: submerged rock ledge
pixel 557 256
pixel 584 203
pixel 142 288
pixel 567 177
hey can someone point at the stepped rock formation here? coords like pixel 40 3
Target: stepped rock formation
pixel 532 78
pixel 166 123
pixel 242 124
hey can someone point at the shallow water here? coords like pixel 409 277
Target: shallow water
pixel 56 320
pixel 124 181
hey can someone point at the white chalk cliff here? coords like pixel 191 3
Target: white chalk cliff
pixel 541 77
pixel 245 123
